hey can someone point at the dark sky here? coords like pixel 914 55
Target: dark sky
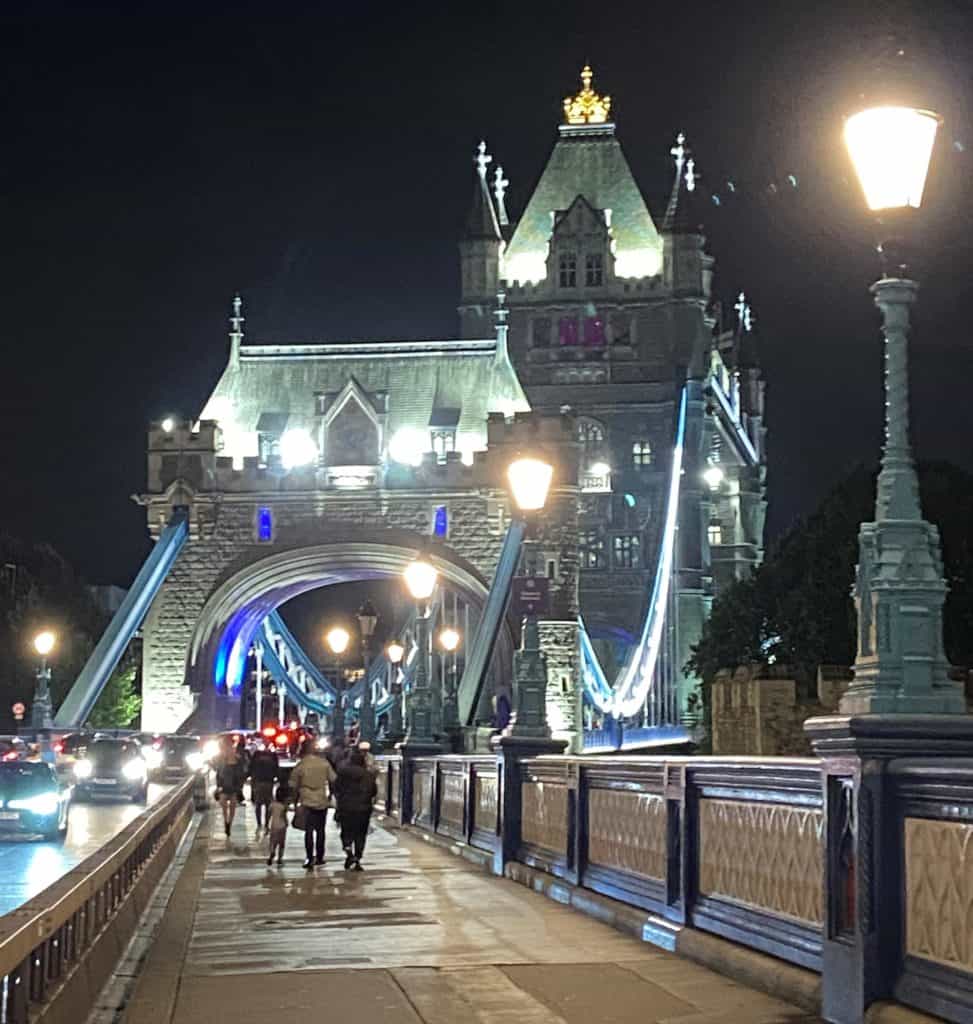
pixel 154 158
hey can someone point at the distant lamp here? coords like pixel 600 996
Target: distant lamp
pixel 408 445
pixel 297 448
pixel 530 480
pixel 449 639
pixel 367 620
pixel 600 469
pixel 337 639
pixel 395 652
pixel 713 476
pixel 44 643
pixel 890 148
pixel 168 424
pixel 420 578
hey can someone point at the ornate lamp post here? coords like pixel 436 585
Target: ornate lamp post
pixel 899 589
pixel 449 640
pixel 530 480
pixel 422 726
pixel 337 640
pixel 367 621
pixel 41 711
pixel 395 652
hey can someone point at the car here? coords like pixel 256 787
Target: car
pixel 112 768
pixel 32 800
pixel 177 756
pixel 12 748
pixel 69 748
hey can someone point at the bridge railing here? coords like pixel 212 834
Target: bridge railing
pixel 59 948
pixel 777 855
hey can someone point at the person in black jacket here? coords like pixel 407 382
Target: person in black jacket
pixel 354 789
pixel 264 770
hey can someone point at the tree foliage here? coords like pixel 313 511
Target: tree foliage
pixel 797 609
pixel 120 702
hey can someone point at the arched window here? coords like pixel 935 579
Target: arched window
pixel 641 453
pixel 591 435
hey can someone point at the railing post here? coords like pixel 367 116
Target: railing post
pixel 678 850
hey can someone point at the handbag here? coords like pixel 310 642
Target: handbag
pixel 299 821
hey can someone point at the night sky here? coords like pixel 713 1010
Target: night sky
pixel 155 158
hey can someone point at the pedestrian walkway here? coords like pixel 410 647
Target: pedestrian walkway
pixel 419 937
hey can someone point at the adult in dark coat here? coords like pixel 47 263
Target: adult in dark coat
pixel 355 791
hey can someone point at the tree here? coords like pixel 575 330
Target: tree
pixel 119 703
pixel 797 609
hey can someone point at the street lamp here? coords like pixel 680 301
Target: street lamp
pixel 367 621
pixel 395 652
pixel 41 712
pixel 900 664
pixel 530 480
pixel 337 639
pixel 423 726
pixel 449 639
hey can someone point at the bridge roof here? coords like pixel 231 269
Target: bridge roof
pixel 413 384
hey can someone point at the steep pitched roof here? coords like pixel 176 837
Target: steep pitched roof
pixel 591 164
pixel 482 220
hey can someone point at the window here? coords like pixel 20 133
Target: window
pixel 443 440
pixel 567 270
pixel 567 330
pixel 591 435
pixel 641 454
pixel 594 332
pixel 268 448
pixel 714 533
pixel 594 274
pixel 591 550
pixel 626 551
pixel 265 525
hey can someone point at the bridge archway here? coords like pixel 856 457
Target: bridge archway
pixel 258 583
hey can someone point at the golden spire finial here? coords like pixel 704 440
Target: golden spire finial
pixel 587 107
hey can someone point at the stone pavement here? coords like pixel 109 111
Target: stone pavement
pixel 419 937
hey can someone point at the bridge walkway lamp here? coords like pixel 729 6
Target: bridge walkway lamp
pixel 337 639
pixel 367 621
pixel 449 641
pixel 423 711
pixel 41 711
pixel 395 652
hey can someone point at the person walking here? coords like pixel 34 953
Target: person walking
pixel 229 781
pixel 277 826
pixel 355 790
pixel 311 783
pixel 264 771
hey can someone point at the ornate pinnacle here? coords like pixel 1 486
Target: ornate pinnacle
pixel 587 107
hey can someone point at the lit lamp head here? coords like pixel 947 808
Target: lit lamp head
pixel 449 639
pixel 395 652
pixel 420 578
pixel 530 480
pixel 713 475
pixel 44 643
pixel 337 639
pixel 890 148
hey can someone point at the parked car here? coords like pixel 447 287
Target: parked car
pixel 32 800
pixel 113 768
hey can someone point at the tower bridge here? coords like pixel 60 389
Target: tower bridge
pixel 587 329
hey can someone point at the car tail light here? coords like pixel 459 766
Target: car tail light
pixel 11 755
pixel 281 739
pixel 58 748
pixel 269 731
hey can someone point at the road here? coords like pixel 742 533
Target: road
pixel 27 867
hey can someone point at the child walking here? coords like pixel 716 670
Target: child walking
pixel 278 826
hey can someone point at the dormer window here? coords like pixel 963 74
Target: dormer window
pixel 641 454
pixel 594 271
pixel 567 270
pixel 442 431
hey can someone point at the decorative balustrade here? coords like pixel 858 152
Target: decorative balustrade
pixel 734 847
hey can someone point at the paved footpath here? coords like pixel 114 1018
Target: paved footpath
pixel 419 937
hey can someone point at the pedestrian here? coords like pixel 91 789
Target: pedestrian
pixel 264 771
pixel 355 790
pixel 277 826
pixel 311 783
pixel 229 781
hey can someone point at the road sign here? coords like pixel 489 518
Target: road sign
pixel 531 595
pixel 19 710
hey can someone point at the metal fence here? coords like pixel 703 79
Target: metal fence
pixel 59 948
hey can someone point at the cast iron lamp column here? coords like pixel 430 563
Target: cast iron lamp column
pixel 337 640
pixel 41 711
pixel 367 621
pixel 422 727
pixel 900 666
pixel 395 652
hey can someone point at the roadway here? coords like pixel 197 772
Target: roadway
pixel 28 866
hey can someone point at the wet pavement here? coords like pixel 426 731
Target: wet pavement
pixel 419 936
pixel 27 866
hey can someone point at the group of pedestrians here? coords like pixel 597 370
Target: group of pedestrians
pixel 341 777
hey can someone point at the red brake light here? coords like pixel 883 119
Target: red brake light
pixel 269 731
pixel 293 725
pixel 58 748
pixel 281 739
pixel 11 755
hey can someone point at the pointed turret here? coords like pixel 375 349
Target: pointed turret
pixel 480 252
pixel 686 268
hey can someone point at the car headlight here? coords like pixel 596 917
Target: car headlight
pixel 82 769
pixel 210 749
pixel 195 761
pixel 43 804
pixel 153 757
pixel 134 769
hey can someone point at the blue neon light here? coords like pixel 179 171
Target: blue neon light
pixel 440 521
pixel 265 525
